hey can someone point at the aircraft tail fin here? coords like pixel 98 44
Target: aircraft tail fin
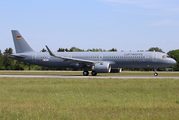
pixel 21 45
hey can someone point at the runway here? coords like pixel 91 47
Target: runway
pixel 89 77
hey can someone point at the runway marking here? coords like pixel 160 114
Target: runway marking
pixel 87 77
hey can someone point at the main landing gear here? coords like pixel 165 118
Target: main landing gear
pixel 155 74
pixel 86 73
pixel 93 73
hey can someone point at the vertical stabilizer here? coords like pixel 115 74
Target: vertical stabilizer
pixel 21 45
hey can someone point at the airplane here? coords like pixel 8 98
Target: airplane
pixel 97 62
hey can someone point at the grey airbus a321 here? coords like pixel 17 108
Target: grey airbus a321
pixel 97 62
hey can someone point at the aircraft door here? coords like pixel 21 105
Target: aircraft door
pixel 100 57
pixel 34 57
pixel 154 57
pixel 70 56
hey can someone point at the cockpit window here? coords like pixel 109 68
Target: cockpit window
pixel 168 56
pixel 165 56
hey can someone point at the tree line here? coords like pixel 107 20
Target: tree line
pixel 10 64
pixel 75 49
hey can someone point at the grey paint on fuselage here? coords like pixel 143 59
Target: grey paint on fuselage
pixel 100 61
pixel 116 59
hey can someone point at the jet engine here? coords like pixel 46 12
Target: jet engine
pixel 104 67
pixel 116 70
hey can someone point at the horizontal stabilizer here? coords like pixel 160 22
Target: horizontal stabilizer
pixel 16 55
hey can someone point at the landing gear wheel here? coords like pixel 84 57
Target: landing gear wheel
pixel 155 74
pixel 93 73
pixel 85 73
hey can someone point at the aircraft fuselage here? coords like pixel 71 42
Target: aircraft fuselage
pixel 116 59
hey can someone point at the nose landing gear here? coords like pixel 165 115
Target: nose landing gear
pixel 155 74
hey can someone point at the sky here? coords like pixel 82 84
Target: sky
pixel 122 24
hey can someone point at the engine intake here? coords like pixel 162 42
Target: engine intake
pixel 104 67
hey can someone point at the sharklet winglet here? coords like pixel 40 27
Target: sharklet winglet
pixel 50 52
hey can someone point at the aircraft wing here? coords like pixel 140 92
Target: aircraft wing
pixel 82 61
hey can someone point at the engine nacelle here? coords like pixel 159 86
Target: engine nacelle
pixel 116 70
pixel 104 67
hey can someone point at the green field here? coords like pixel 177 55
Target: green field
pixel 80 73
pixel 95 99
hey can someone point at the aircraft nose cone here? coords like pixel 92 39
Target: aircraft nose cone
pixel 172 62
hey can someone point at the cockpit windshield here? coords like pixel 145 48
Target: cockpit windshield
pixel 165 56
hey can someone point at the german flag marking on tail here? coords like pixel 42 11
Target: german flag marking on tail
pixel 18 37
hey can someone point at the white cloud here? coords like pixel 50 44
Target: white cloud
pixel 176 41
pixel 173 10
pixel 127 1
pixel 166 22
pixel 157 4
pixel 147 7
pixel 163 41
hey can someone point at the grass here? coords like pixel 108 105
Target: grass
pixel 49 98
pixel 80 73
